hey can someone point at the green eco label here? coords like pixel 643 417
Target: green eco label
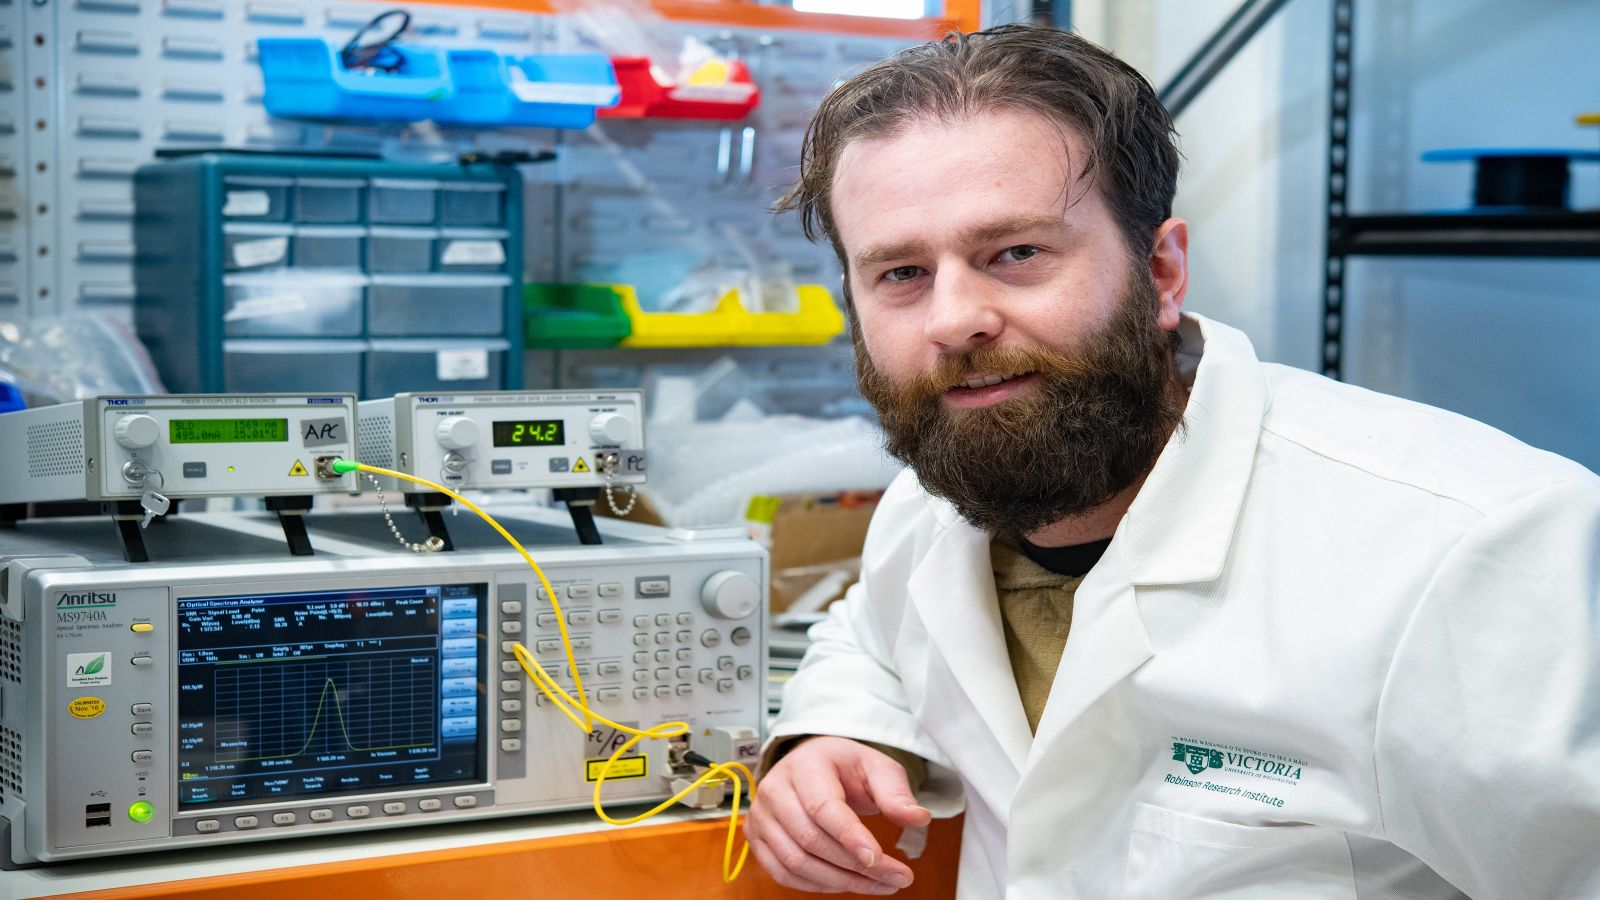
pixel 88 669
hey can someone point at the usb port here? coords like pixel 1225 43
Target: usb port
pixel 97 809
pixel 98 822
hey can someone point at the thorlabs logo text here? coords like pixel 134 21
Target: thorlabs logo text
pixel 86 600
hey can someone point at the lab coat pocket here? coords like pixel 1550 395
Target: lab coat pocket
pixel 1176 856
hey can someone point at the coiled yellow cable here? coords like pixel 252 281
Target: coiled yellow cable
pixel 574 707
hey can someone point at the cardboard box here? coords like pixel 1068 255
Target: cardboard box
pixel 816 544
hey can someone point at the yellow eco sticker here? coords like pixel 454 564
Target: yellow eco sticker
pixel 624 767
pixel 86 707
pixel 580 465
pixel 299 468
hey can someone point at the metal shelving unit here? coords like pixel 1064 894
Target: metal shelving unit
pixel 1521 234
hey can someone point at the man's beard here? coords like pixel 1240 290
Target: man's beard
pixel 1091 427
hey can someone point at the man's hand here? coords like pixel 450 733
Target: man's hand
pixel 805 828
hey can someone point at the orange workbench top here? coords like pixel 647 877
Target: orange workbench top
pixel 556 856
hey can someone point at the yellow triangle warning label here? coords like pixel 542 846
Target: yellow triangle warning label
pixel 299 468
pixel 580 465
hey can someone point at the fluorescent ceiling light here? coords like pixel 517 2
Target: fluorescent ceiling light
pixel 883 9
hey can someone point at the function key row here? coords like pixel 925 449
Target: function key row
pixel 326 814
pixel 649 586
pixel 581 618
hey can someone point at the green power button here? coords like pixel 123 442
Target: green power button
pixel 142 811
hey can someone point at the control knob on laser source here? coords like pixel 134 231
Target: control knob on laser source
pixel 610 428
pixel 137 432
pixel 457 432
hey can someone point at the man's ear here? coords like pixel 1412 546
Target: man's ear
pixel 1169 269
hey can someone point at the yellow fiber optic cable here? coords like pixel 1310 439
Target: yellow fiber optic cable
pixel 567 703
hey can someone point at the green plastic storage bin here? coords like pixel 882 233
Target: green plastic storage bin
pixel 573 316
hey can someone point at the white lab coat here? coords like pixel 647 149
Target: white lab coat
pixel 1341 646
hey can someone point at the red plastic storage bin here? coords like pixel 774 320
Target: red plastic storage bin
pixel 644 96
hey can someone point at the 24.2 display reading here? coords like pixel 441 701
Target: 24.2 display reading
pixel 228 431
pixel 537 433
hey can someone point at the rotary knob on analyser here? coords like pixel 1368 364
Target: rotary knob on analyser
pixel 457 432
pixel 137 432
pixel 610 428
pixel 730 595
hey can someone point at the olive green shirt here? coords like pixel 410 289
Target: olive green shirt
pixel 1035 613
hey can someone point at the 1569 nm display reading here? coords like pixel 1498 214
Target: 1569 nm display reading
pixel 536 433
pixel 228 431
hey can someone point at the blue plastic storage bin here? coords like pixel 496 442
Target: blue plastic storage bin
pixel 305 78
pixel 546 91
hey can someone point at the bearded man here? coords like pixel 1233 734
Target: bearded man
pixel 1163 621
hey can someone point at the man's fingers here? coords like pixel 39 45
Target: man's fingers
pixel 823 823
pixel 795 861
pixel 783 876
pixel 887 789
pixel 826 826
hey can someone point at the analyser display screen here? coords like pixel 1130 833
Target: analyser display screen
pixel 296 695
pixel 537 433
pixel 228 431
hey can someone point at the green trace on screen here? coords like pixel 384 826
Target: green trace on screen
pixel 538 433
pixel 228 431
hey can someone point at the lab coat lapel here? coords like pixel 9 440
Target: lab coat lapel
pixel 1106 643
pixel 953 592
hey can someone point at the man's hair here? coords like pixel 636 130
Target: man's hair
pixel 1057 74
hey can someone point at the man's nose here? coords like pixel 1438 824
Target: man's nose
pixel 963 310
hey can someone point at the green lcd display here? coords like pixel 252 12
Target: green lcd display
pixel 228 431
pixel 539 433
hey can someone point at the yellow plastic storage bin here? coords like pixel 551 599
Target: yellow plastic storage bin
pixel 817 321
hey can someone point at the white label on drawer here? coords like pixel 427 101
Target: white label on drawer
pixel 247 203
pixel 557 92
pixel 263 252
pixel 473 253
pixel 260 307
pixel 463 365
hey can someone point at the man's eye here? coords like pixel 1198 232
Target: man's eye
pixel 1020 253
pixel 902 273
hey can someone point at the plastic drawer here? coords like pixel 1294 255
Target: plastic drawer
pixel 300 367
pixel 472 203
pixel 401 202
pixel 334 201
pixel 307 78
pixel 292 304
pixel 419 306
pixel 328 247
pixel 252 198
pixel 460 250
pixel 574 315
pixel 400 249
pixel 394 367
pixel 255 248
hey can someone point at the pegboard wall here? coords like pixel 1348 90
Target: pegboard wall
pixel 92 88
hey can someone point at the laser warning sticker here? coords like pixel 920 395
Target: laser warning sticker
pixel 623 769
pixel 603 741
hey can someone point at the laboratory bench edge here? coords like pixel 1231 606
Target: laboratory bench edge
pixel 558 855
